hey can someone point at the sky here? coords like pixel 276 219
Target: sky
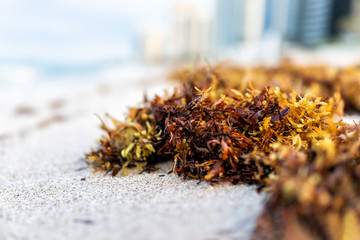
pixel 74 31
pixel 67 36
pixel 77 31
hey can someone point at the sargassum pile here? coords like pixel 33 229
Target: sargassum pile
pixel 292 145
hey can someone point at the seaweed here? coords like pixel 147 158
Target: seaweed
pixel 211 135
pixel 315 193
pixel 219 127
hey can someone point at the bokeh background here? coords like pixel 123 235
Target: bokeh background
pixel 43 40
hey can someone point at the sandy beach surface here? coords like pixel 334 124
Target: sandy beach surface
pixel 48 192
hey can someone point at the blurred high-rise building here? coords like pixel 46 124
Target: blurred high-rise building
pixel 307 22
pixel 281 17
pixel 314 24
pixel 205 28
pixel 341 9
pixel 238 21
pixel 254 20
pixel 191 32
pixel 229 17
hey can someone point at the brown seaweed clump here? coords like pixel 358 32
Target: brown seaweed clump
pixel 292 146
pixel 211 135
pixel 315 193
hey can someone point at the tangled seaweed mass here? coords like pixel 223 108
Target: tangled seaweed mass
pixel 219 127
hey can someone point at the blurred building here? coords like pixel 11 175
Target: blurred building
pixel 341 9
pixel 195 30
pixel 254 17
pixel 313 23
pixel 229 22
pixel 306 22
pixel 238 21
pixel 352 21
pixel 191 32
pixel 282 20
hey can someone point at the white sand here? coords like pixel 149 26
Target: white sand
pixel 42 195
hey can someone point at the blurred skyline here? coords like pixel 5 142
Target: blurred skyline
pixel 63 37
